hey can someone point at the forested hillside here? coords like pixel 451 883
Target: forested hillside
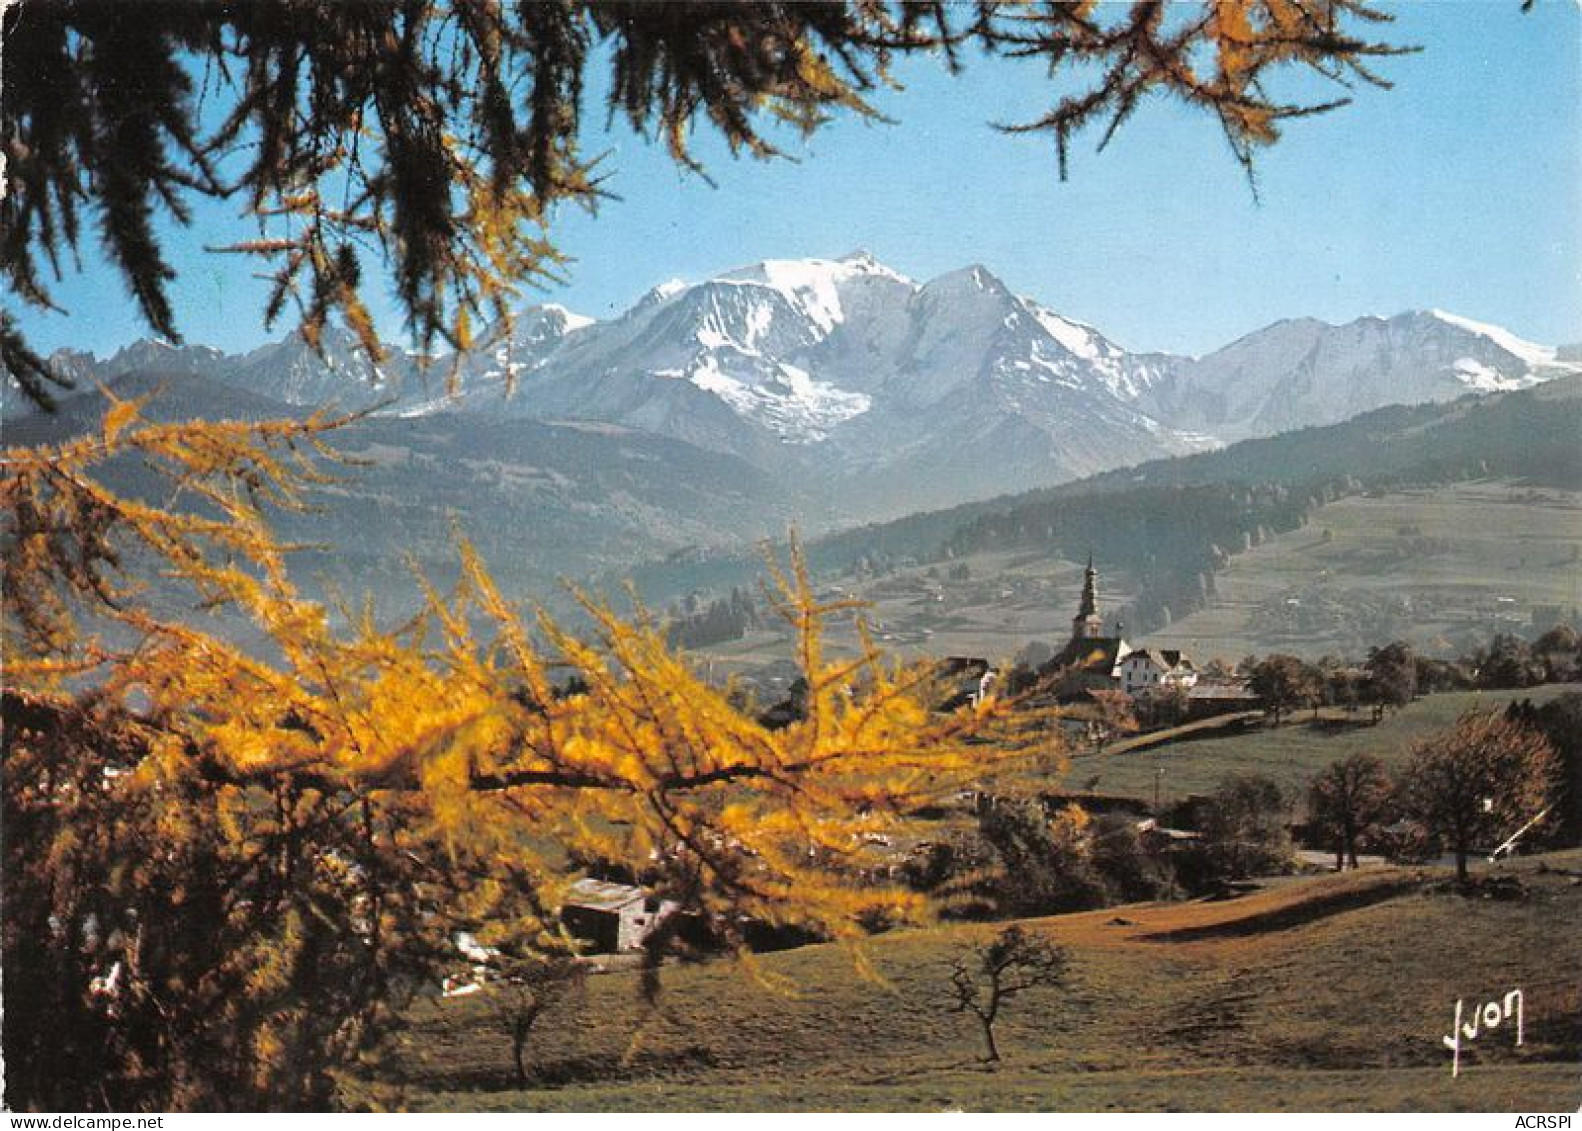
pixel 1172 524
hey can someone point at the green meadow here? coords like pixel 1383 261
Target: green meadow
pixel 1291 753
pixel 1436 566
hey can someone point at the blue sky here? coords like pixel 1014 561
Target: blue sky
pixel 1461 188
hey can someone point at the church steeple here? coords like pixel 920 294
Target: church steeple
pixel 1088 624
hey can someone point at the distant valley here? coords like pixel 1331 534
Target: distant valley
pixel 1441 524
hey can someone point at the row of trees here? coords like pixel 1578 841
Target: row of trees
pixel 692 624
pixel 1467 789
pixel 1286 683
pixel 1025 858
pixel 1393 675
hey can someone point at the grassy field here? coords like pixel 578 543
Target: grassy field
pixel 1433 566
pixel 1289 754
pixel 1324 993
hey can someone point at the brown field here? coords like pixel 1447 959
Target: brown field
pixel 1328 993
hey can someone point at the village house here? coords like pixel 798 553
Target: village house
pixel 1158 838
pixel 1147 670
pixel 965 680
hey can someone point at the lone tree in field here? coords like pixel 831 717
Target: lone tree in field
pixel 982 981
pixel 1346 799
pixel 522 991
pixel 1478 782
pixel 434 139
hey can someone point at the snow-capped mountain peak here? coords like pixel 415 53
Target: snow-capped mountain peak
pixel 661 293
pixel 1080 339
pixel 1528 352
pixel 569 320
pixel 1300 372
pixel 974 277
pixel 815 286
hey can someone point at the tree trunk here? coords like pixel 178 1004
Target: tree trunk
pixel 519 1033
pixel 1461 865
pixel 993 1054
pixel 1340 855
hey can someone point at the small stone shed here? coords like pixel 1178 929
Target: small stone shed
pixel 612 917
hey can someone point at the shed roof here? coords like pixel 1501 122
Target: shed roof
pixel 600 895
pixel 1170 659
pixel 1215 690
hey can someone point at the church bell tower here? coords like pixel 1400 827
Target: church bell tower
pixel 1088 624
